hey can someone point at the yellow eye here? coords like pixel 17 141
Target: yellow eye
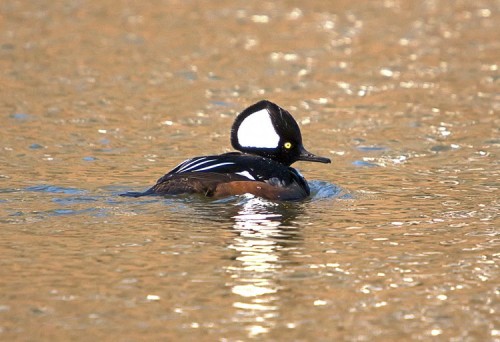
pixel 288 145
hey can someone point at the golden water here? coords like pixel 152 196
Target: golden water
pixel 398 242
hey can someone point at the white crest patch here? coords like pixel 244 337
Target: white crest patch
pixel 257 130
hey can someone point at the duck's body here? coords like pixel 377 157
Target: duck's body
pixel 271 141
pixel 230 174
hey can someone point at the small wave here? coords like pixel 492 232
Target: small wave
pixel 321 190
pixel 55 189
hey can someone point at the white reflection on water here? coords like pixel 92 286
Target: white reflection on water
pixel 258 245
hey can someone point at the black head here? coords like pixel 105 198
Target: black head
pixel 267 130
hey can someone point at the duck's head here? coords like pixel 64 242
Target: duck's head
pixel 267 130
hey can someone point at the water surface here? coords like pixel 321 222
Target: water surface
pixel 399 240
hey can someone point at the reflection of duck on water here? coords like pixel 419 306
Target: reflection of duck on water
pixel 264 231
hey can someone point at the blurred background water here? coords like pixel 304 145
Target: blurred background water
pixel 399 240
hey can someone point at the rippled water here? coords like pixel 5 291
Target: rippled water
pixel 399 240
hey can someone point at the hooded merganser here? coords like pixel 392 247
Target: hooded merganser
pixel 270 140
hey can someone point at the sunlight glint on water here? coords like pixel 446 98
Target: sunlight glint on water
pixel 397 242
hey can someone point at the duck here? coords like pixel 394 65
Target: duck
pixel 268 141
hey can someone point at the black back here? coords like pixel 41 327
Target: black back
pixel 249 167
